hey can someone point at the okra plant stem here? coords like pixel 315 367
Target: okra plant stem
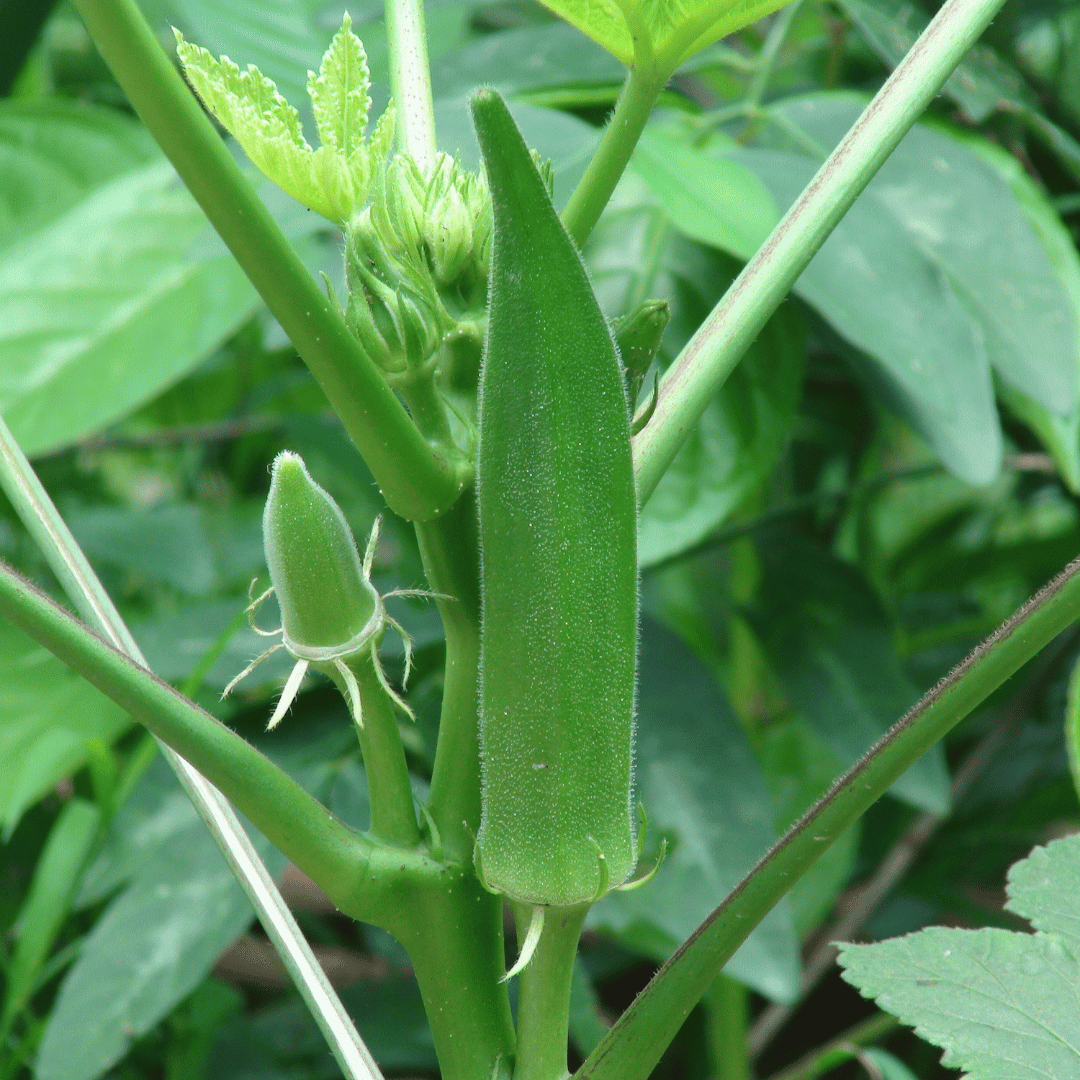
pixel 636 101
pixel 415 482
pixel 544 992
pixel 410 79
pixel 393 813
pixel 450 550
pixel 712 353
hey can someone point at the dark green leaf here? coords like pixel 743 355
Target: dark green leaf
pixel 829 642
pixel 702 787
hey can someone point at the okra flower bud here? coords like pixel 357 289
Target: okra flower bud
pixel 331 614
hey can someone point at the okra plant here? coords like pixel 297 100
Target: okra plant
pixel 535 447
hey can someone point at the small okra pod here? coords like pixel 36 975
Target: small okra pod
pixel 331 614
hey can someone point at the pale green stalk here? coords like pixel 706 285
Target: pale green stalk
pixel 410 79
pixel 712 353
pixel 77 578
pixel 634 1045
pixel 544 992
pixel 416 483
pixel 594 189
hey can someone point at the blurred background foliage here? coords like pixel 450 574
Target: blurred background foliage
pixel 890 471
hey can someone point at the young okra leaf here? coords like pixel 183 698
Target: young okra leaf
pixel 557 525
pixel 337 178
pixel 659 34
pixel 1001 1004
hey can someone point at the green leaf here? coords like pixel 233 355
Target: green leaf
pixel 558 57
pixel 1060 434
pixel 340 93
pixel 336 179
pixel 982 82
pixel 53 153
pixel 800 767
pixel 701 787
pixel 635 253
pixel 712 198
pixel 916 278
pixel 1001 1004
pixel 113 284
pixel 47 717
pixel 966 218
pixel 558 521
pixel 156 942
pixel 659 34
pixel 56 879
pixel 828 640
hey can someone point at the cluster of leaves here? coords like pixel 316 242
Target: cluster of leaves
pixel 890 470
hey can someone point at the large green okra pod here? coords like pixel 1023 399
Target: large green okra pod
pixel 558 534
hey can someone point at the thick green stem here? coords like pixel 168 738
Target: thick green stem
pixel 544 993
pixel 415 482
pixel 452 931
pixel 393 813
pixel 632 110
pixel 712 353
pixel 410 79
pixel 296 823
pixel 634 1045
pixel 727 1024
pixel 450 550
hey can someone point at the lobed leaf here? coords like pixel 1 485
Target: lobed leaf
pixel 659 34
pixel 336 179
pixel 1003 1005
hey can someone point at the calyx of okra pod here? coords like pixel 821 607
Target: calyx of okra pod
pixel 331 614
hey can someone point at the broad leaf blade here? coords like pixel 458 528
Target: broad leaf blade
pixel 115 283
pixel 701 787
pixel 1002 1004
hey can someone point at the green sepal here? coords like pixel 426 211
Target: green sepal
pixel 638 336
pixel 558 527
pixel 325 598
